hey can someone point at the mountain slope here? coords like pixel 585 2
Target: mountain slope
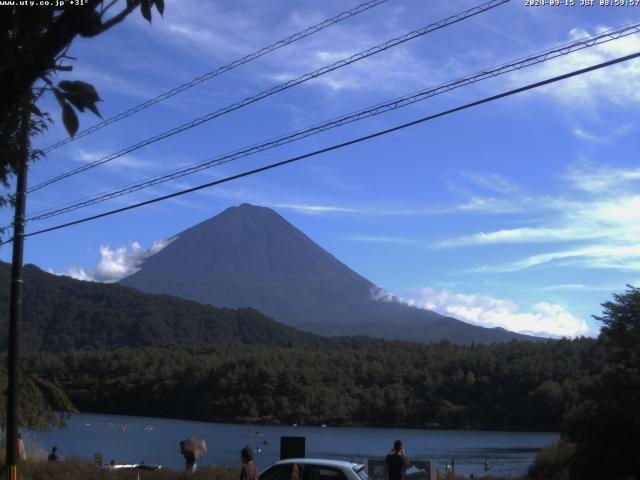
pixel 60 313
pixel 251 256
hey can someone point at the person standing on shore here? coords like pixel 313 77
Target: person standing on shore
pixel 249 469
pixel 22 453
pixel 190 463
pixel 396 461
pixel 53 456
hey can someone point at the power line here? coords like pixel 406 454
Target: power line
pixel 284 86
pixel 220 70
pixel 340 145
pixel 523 62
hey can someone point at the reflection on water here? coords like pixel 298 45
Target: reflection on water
pixel 156 441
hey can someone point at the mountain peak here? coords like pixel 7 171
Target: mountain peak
pixel 237 228
pixel 248 207
pixel 245 211
pixel 250 256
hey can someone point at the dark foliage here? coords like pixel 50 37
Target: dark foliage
pixel 553 462
pixel 60 313
pixel 41 404
pixel 34 44
pixel 606 426
pixel 517 385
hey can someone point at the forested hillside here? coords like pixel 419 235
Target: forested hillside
pixel 517 385
pixel 60 313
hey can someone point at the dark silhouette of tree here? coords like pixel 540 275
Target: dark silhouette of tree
pixel 606 426
pixel 34 45
pixel 41 404
pixel 34 41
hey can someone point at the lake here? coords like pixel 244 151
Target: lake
pixel 509 453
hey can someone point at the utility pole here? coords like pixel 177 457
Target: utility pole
pixel 15 308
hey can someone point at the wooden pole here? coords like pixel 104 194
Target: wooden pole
pixel 15 305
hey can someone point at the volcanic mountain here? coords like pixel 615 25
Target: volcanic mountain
pixel 250 256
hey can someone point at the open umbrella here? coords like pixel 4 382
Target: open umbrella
pixel 193 447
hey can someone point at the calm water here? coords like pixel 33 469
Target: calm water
pixel 509 453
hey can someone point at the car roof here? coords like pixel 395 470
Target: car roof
pixel 322 461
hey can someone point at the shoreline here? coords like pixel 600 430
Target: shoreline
pixel 248 423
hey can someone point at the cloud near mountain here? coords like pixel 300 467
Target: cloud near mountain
pixel 544 318
pixel 115 263
pixel 250 256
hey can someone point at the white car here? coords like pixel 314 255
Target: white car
pixel 314 469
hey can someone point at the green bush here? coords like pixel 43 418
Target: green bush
pixel 553 462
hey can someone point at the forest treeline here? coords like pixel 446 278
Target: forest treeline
pixel 517 385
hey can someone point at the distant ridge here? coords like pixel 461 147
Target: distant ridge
pixel 61 314
pixel 249 256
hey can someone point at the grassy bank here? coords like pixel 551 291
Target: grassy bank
pixel 75 469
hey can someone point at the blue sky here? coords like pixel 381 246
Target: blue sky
pixel 523 213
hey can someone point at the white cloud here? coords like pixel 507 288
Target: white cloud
pixel 543 319
pixel 476 204
pixel 116 264
pixel 486 205
pixel 584 135
pixel 618 84
pixel 593 178
pixel 396 71
pixel 381 239
pixel 317 209
pixel 491 181
pixel 615 257
pixel 615 218
pixel 207 28
pixel 524 235
pixel 578 287
pixel 472 204
pixel 598 215
pixel 125 161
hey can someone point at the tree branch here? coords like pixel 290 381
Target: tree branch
pixel 55 39
pixel 113 20
pixel 105 9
